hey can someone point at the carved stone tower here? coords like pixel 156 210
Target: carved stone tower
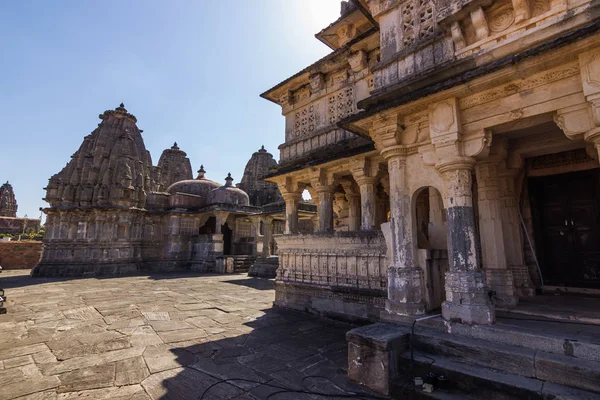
pixel 260 191
pixel 173 166
pixel 94 221
pixel 8 202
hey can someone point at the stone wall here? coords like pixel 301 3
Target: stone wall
pixel 19 255
pixel 17 225
pixel 342 275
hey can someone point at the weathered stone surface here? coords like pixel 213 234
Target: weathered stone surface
pixel 95 377
pixel 164 357
pixel 186 383
pixel 131 371
pixel 83 358
pixel 133 392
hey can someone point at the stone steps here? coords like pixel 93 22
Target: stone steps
pixel 579 341
pixel 242 263
pixel 467 381
pixel 509 359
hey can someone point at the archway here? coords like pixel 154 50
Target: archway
pixel 430 238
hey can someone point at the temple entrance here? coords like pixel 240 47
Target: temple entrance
pixel 566 219
pixel 227 234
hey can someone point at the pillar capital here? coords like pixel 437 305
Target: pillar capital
pixel 386 130
pixel 293 196
pixel 397 152
pixel 289 184
pixel 321 180
pixel 456 164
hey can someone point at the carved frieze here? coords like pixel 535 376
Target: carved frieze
pixel 518 86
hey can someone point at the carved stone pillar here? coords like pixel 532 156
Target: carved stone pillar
pixel 354 211
pixel 322 182
pixel 291 191
pixel 368 202
pixel 325 208
pixel 353 199
pixel 267 236
pixel 574 124
pixel 498 277
pixel 221 217
pixel 256 220
pixel 513 238
pixel 467 297
pixel 405 280
pixel 365 174
pixel 291 212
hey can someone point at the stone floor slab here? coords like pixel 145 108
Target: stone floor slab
pixel 103 339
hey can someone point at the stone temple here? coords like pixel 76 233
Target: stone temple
pixel 9 222
pixel 112 212
pixel 459 141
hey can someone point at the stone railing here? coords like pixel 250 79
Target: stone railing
pixel 354 260
pixel 303 146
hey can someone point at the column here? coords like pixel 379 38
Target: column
pixel 368 202
pixel 354 211
pixel 513 238
pixel 256 220
pixel 221 217
pixel 325 208
pixel 267 236
pixel 353 199
pixel 467 297
pixel 498 277
pixel 405 280
pixel 291 212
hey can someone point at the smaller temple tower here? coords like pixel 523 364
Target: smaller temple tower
pixel 8 202
pixel 173 166
pixel 260 191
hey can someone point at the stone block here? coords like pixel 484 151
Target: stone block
pixel 373 354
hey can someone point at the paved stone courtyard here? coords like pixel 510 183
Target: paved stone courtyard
pixel 165 336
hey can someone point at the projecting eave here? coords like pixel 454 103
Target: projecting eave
pixel 355 18
pixel 323 65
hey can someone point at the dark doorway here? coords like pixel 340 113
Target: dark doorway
pixel 208 227
pixel 567 227
pixel 227 233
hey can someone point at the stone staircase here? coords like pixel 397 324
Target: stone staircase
pixel 495 362
pixel 242 263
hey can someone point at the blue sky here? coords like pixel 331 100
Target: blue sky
pixel 191 71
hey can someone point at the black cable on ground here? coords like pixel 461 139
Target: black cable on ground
pixel 348 395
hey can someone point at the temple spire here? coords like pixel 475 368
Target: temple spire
pixel 228 180
pixel 201 172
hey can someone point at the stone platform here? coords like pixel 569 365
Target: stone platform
pixel 523 355
pixel 164 336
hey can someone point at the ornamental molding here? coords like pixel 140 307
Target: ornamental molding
pixel 519 86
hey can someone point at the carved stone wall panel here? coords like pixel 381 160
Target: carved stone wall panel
pixel 556 74
pixel 352 260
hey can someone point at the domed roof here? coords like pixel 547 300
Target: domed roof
pixel 228 194
pixel 198 187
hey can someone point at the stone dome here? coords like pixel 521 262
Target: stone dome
pixel 191 193
pixel 229 194
pixel 197 187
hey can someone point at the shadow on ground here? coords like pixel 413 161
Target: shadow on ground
pixel 287 355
